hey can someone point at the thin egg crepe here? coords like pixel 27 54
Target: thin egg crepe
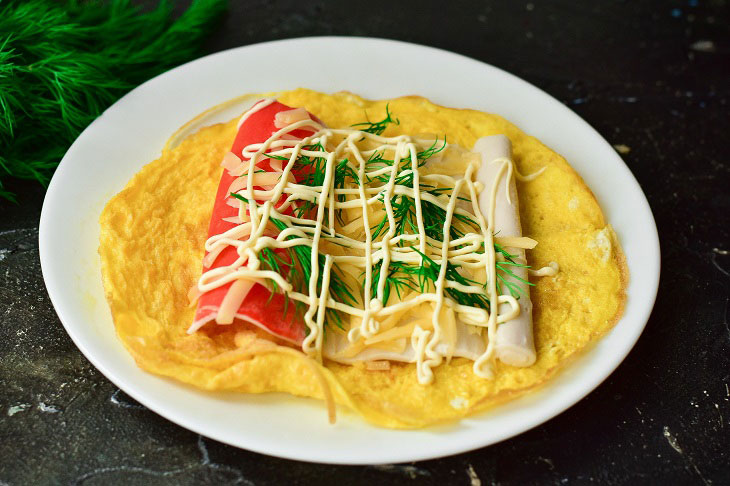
pixel 153 237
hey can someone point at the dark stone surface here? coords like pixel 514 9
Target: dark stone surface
pixel 652 77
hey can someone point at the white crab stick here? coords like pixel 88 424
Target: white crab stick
pixel 514 342
pixel 468 345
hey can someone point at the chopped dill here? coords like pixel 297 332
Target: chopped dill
pixel 297 267
pixel 295 262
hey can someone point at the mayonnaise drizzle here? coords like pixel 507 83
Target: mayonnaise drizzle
pixel 257 107
pixel 251 236
pixel 550 270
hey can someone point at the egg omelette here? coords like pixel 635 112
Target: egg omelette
pixel 153 234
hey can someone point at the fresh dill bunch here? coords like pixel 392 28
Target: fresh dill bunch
pixel 63 62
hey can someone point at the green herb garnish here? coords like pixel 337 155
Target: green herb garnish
pixel 377 128
pixel 64 62
pixel 297 268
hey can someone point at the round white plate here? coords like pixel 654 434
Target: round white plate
pixel 132 132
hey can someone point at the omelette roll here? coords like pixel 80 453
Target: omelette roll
pixel 514 342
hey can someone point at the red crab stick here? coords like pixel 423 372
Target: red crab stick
pixel 269 312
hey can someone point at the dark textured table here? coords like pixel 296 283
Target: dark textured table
pixel 652 77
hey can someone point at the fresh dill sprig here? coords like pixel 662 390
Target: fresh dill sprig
pixel 402 275
pixel 504 268
pixel 399 278
pixel 297 268
pixel 430 272
pixel 63 62
pixel 404 206
pixel 405 177
pixel 377 128
pixel 301 273
pixel 311 172
pixel 343 172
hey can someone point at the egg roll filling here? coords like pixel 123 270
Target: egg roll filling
pixel 358 247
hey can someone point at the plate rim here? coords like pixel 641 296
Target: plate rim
pixel 45 248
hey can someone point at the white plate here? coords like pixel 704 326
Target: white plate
pixel 132 133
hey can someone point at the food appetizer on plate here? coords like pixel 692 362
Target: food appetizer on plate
pixel 416 269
